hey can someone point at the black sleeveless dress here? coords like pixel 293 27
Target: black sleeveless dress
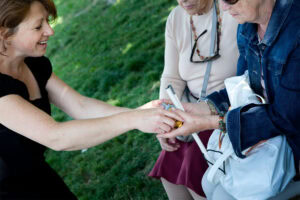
pixel 24 174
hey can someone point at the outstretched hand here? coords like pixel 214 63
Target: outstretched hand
pixel 192 124
pixel 156 120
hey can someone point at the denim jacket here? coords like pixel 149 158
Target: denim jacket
pixel 278 57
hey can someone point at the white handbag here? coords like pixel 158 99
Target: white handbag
pixel 265 171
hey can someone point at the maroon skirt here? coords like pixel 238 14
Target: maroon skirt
pixel 186 166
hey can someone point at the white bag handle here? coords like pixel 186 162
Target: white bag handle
pixel 214 168
pixel 239 94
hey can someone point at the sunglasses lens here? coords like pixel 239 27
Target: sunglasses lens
pixel 231 2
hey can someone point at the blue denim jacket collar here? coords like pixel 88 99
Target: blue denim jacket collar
pixel 279 15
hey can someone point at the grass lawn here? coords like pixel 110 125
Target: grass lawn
pixel 113 51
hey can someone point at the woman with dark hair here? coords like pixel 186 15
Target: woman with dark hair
pixel 28 86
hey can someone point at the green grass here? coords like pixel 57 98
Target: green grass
pixel 113 52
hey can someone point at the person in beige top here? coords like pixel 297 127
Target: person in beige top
pixel 181 165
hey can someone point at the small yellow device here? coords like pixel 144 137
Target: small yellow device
pixel 169 107
pixel 178 124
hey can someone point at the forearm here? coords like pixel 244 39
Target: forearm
pixel 29 121
pixel 80 134
pixel 206 122
pixel 76 105
pixel 200 108
pixel 93 108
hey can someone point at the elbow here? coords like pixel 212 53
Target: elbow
pixel 59 146
pixel 56 147
pixel 57 141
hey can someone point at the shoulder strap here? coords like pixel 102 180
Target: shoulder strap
pixel 202 95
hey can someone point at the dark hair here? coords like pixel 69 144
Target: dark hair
pixel 13 12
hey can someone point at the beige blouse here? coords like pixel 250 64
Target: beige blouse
pixel 179 71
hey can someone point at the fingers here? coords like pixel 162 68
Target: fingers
pixel 151 104
pixel 156 103
pixel 168 145
pixel 174 133
pixel 158 120
pixel 174 115
pixel 166 128
pixel 159 131
pixel 169 122
pixel 172 140
pixel 167 101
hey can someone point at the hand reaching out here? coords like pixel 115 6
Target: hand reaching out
pixel 156 120
pixel 196 119
pixel 192 123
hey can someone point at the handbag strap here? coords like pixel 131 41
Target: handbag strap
pixel 206 77
pixel 214 168
pixel 202 95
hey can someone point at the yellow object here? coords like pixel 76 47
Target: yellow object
pixel 178 124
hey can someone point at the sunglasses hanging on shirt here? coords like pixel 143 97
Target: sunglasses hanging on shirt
pixel 195 48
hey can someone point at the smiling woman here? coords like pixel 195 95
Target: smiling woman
pixel 28 86
pixel 17 11
pixel 35 20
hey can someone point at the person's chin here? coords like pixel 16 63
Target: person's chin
pixel 39 54
pixel 241 21
pixel 238 19
pixel 190 12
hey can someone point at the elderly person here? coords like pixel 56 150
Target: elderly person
pixel 188 37
pixel 268 40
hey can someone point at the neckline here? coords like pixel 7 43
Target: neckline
pixel 200 16
pixel 216 17
pixel 28 95
pixel 31 100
